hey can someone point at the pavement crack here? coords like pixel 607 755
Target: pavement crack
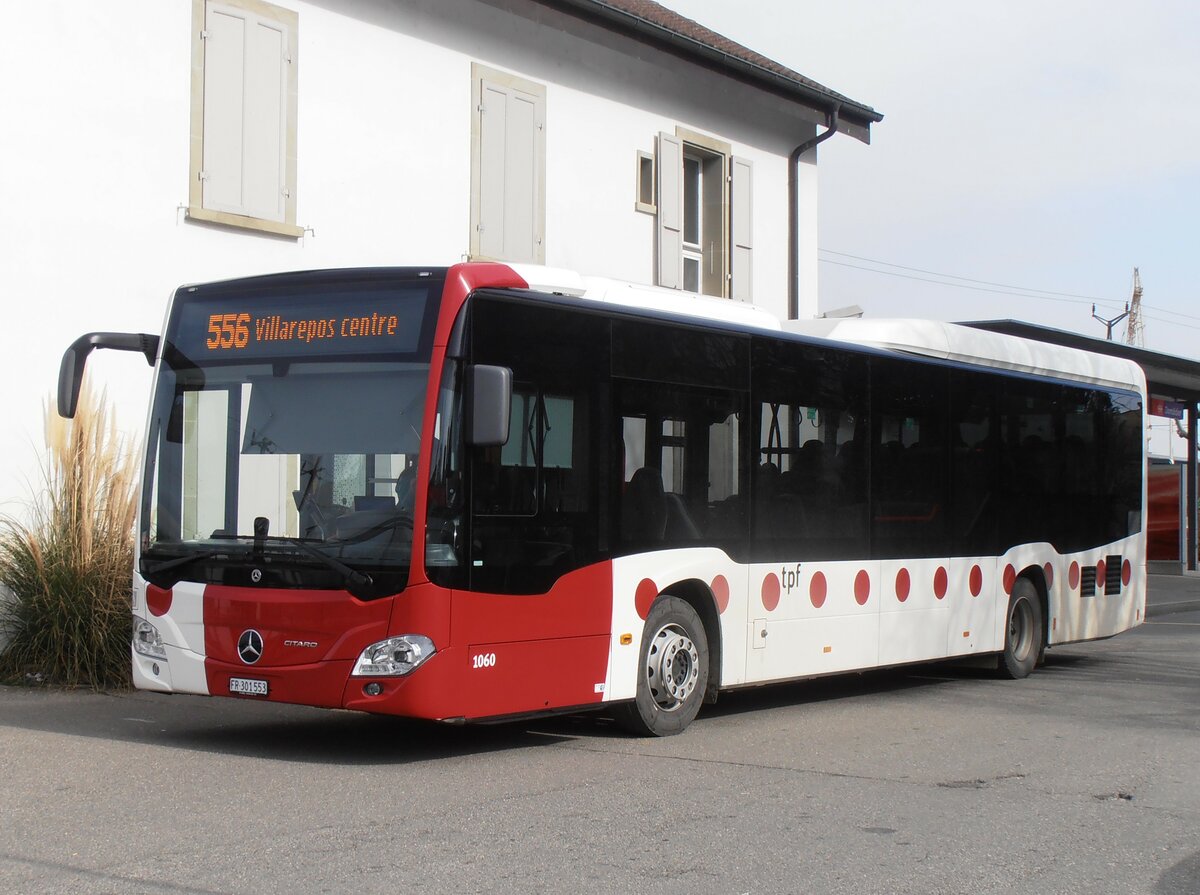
pixel 122 878
pixel 816 772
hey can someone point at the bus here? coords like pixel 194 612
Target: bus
pixel 488 492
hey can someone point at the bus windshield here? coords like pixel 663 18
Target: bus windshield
pixel 285 432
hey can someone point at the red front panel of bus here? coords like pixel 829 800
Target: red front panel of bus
pixel 309 639
pixel 502 654
pixel 496 654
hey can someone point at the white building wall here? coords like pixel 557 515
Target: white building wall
pixel 94 167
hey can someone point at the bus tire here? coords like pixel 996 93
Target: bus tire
pixel 672 671
pixel 1023 631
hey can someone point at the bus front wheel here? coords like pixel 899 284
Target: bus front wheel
pixel 1023 636
pixel 672 671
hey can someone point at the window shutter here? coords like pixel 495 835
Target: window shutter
pixel 670 211
pixel 492 115
pixel 741 230
pixel 245 113
pixel 511 150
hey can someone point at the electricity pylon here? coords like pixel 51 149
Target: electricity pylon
pixel 1135 326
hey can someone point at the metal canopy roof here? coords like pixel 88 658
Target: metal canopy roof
pixel 1167 375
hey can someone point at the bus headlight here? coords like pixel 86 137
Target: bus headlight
pixel 146 640
pixel 394 657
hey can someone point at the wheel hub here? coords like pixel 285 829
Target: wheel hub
pixel 1020 630
pixel 672 667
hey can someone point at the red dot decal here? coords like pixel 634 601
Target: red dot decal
pixel 976 580
pixel 817 589
pixel 158 601
pixel 903 582
pixel 862 588
pixel 1073 575
pixel 940 582
pixel 644 596
pixel 770 592
pixel 1126 572
pixel 1049 570
pixel 1010 578
pixel 720 589
pixel 1100 570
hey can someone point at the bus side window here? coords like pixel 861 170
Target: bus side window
pixel 910 473
pixel 809 490
pixel 684 465
pixel 974 448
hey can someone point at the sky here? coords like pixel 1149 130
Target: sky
pixel 1041 150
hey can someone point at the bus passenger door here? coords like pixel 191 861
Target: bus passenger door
pixel 682 503
pixel 911 526
pixel 814 591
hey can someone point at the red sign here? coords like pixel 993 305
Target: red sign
pixel 1170 409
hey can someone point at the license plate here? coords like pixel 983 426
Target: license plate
pixel 247 686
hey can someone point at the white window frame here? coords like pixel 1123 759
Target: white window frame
pixel 196 205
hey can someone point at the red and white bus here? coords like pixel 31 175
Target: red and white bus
pixel 485 492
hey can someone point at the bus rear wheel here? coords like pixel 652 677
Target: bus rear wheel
pixel 1023 636
pixel 672 671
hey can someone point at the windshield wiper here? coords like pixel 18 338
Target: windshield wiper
pixel 356 581
pixel 395 520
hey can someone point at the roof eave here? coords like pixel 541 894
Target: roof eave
pixel 854 118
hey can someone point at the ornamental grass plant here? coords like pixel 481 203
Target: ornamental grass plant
pixel 69 566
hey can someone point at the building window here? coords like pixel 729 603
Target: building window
pixel 704 256
pixel 243 131
pixel 704 197
pixel 508 167
pixel 644 200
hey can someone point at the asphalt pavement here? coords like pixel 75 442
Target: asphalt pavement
pixel 1169 594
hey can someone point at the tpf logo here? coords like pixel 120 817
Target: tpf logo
pixel 789 578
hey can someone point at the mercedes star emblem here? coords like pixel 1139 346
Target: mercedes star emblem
pixel 250 646
pixel 256 576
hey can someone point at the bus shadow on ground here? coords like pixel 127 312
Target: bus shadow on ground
pixel 830 689
pixel 301 734
pixel 813 691
pixel 352 739
pixel 255 729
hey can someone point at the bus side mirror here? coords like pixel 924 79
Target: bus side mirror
pixel 70 380
pixel 489 402
pixel 70 372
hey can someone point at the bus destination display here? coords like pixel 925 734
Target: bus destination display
pixel 233 330
pixel 343 321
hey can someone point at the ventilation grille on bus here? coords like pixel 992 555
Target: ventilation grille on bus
pixel 1112 574
pixel 1087 581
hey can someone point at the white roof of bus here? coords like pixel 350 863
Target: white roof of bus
pixel 653 298
pixel 965 344
pixel 929 338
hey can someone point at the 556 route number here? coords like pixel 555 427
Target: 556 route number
pixel 228 331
